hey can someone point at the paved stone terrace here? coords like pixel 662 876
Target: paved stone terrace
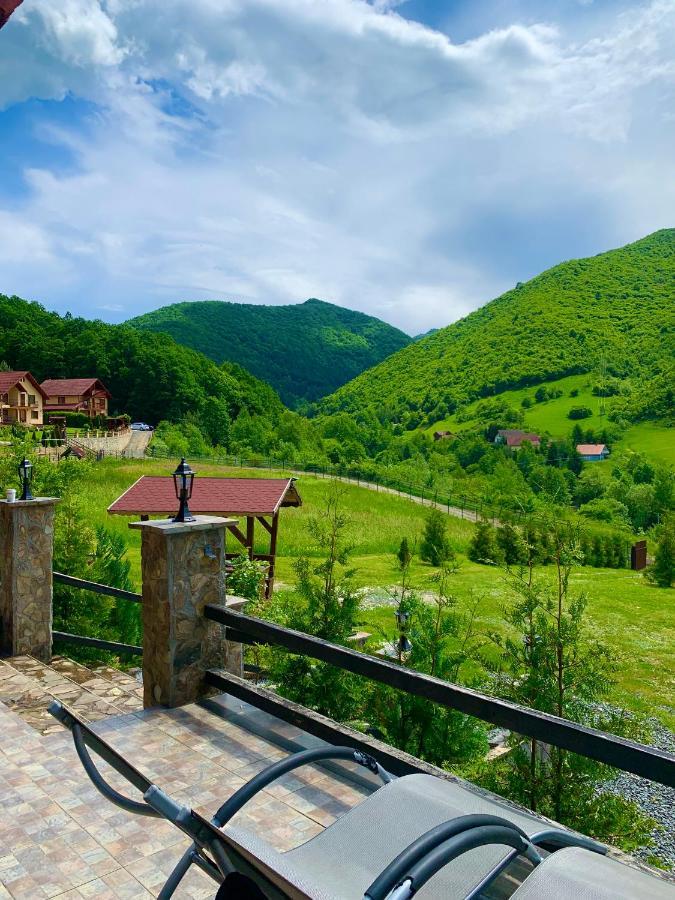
pixel 60 838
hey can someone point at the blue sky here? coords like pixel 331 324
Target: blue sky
pixel 409 159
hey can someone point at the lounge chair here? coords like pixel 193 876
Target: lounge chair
pixel 415 835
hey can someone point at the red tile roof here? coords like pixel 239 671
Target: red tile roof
pixel 155 495
pixel 55 387
pixel 591 449
pixel 514 437
pixel 8 380
pixel 7 7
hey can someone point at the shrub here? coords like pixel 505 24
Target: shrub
pixel 579 412
pixel 73 419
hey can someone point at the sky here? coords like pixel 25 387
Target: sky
pixel 411 159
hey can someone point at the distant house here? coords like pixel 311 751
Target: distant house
pixel 593 452
pixel 444 436
pixel 21 399
pixel 513 438
pixel 86 395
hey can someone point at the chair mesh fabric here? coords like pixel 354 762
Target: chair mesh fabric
pixel 576 874
pixel 294 882
pixel 346 857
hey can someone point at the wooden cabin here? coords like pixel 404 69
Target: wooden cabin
pixel 22 399
pixel 86 395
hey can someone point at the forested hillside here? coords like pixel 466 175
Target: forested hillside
pixel 612 315
pixel 149 375
pixel 304 351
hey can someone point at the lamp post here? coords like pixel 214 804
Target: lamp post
pixel 26 479
pixel 404 645
pixel 183 479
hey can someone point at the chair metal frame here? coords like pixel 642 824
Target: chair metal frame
pixel 218 855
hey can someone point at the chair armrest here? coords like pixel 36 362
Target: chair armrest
pixel 276 770
pixel 83 735
pixel 421 848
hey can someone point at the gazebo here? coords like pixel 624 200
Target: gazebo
pixel 255 499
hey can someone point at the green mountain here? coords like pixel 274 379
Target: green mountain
pixel 304 351
pixel 150 376
pixel 612 315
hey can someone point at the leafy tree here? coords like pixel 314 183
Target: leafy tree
pixel 435 547
pixel 589 486
pixel 662 571
pixel 605 509
pixel 579 412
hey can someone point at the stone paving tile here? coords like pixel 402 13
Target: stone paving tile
pixel 152 871
pixel 64 840
pixel 28 687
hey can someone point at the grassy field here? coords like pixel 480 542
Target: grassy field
pixel 378 521
pixel 653 440
pixel 632 616
pixel 550 417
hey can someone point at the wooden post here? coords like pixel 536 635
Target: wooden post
pixel 273 553
pixel 250 535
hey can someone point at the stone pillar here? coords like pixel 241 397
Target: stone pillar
pixel 183 569
pixel 26 551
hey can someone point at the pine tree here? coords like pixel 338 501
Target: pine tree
pixel 435 547
pixel 404 554
pixel 551 660
pixel 663 570
pixel 483 547
pixel 511 545
pixel 327 606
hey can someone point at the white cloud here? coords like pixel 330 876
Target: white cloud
pixel 269 150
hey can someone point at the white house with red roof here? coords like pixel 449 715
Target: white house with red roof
pixel 22 399
pixel 86 395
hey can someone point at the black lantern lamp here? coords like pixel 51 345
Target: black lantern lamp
pixel 183 479
pixel 26 479
pixel 404 645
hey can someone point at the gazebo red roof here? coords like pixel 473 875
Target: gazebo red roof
pixel 155 495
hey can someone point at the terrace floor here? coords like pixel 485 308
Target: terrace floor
pixel 60 838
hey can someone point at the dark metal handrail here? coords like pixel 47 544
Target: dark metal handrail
pixel 97 588
pixel 99 643
pixel 629 756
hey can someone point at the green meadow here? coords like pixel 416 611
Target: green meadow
pixel 654 440
pixel 632 616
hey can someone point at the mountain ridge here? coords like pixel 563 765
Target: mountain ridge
pixel 304 350
pixel 613 313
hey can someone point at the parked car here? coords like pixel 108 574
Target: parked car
pixel 140 426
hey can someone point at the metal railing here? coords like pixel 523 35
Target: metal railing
pixel 621 753
pixel 97 588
